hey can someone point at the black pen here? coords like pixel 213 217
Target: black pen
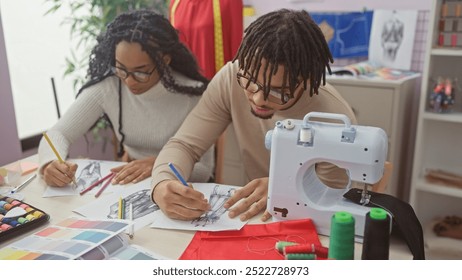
pixel 18 188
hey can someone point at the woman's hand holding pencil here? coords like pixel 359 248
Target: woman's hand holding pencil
pixel 59 174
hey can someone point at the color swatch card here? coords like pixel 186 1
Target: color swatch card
pixel 88 172
pixel 216 219
pixel 68 239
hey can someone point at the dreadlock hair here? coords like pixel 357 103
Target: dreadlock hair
pixel 290 39
pixel 157 38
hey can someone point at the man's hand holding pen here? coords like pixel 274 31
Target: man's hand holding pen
pixel 185 203
pixel 180 202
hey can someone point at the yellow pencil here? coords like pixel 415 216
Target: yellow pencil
pixel 56 152
pixel 119 214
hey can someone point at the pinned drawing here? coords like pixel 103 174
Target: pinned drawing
pixel 217 199
pixel 392 38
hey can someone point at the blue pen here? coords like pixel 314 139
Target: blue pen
pixel 177 174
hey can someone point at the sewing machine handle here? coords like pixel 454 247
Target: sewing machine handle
pixel 340 117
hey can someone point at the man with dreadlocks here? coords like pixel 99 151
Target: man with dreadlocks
pixel 146 82
pixel 278 73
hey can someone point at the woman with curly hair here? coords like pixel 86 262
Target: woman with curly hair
pixel 145 82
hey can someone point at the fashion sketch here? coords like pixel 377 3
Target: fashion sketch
pixel 142 205
pixel 89 175
pixel 392 37
pixel 217 199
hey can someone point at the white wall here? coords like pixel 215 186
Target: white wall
pixel 10 149
pixel 36 47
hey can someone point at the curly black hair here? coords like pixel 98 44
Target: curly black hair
pixel 157 38
pixel 290 39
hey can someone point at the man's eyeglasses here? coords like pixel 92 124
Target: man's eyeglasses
pixel 278 96
pixel 141 77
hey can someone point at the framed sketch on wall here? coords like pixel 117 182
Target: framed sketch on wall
pixel 392 38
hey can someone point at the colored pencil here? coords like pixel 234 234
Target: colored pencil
pixel 100 191
pixel 119 213
pixel 92 186
pixel 177 174
pixel 60 159
pixel 131 231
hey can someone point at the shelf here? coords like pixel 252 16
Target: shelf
pixel 423 185
pixel 446 51
pixel 440 247
pixel 455 117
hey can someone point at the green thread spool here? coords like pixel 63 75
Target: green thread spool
pixel 342 236
pixel 281 244
pixel 300 256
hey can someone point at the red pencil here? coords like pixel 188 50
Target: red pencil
pixel 92 186
pixel 105 185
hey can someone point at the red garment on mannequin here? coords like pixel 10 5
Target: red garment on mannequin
pixel 194 20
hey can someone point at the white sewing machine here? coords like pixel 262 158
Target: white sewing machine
pixel 296 192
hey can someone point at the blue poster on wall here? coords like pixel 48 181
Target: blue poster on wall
pixel 346 33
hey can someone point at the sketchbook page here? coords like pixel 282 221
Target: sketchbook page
pixel 88 172
pixel 107 207
pixel 394 33
pixel 214 220
pixel 68 239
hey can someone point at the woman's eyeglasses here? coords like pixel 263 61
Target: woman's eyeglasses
pixel 141 77
pixel 278 96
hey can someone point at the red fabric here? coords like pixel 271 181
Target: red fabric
pixel 194 21
pixel 252 242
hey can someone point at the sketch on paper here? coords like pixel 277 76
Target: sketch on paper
pixel 139 195
pixel 142 205
pixel 88 175
pixel 88 172
pixel 214 220
pixel 217 199
pixel 392 38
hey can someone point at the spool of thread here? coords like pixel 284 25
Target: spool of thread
pixel 300 257
pixel 305 135
pixel 319 251
pixel 376 245
pixel 342 236
pixel 281 244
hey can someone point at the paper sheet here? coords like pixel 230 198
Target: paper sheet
pixel 214 220
pixel 392 38
pixel 139 195
pixel 88 172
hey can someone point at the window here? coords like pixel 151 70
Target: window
pixel 36 46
